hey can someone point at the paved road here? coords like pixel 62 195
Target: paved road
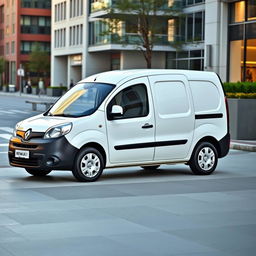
pixel 131 211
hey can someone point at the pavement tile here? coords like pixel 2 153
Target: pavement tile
pixel 4 252
pixel 79 192
pixel 76 229
pixel 159 243
pixel 227 239
pixel 57 216
pixel 79 246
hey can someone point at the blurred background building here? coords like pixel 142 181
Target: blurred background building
pixel 22 23
pixel 214 35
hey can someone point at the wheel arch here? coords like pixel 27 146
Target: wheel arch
pixel 213 141
pixel 98 147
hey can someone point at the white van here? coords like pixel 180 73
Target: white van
pixel 128 118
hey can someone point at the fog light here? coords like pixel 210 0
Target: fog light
pixel 53 160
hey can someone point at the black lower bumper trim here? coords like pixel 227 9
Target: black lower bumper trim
pixel 55 154
pixel 224 145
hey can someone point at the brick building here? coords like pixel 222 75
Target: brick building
pixel 22 23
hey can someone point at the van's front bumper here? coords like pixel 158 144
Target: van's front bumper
pixel 54 154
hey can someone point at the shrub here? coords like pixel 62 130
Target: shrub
pixel 241 95
pixel 240 87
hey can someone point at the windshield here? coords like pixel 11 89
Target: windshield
pixel 82 100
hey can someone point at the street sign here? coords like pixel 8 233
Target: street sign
pixel 20 72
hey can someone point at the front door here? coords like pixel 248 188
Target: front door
pixel 131 136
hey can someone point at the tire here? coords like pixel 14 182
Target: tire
pixel 38 173
pixel 151 167
pixel 204 159
pixel 88 165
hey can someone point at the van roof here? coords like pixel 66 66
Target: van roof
pixel 116 76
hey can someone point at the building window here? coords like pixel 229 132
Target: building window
pixel 35 25
pixel 76 35
pixel 115 61
pixel 193 60
pixel 191 27
pixel 76 8
pixel 242 41
pixel 2 14
pixel 7 48
pixel 191 2
pixel 13 47
pixel 41 4
pixel 26 47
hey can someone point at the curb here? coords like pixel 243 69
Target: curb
pixel 244 147
pixel 15 94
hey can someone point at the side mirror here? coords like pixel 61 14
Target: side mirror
pixel 117 111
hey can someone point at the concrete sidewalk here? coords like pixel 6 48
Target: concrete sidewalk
pixel 246 145
pixel 25 95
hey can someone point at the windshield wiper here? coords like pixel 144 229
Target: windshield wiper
pixel 64 115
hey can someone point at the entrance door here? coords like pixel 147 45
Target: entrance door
pixel 131 136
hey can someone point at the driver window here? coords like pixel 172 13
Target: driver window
pixel 133 100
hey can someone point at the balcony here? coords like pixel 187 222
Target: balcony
pixel 128 39
pixel 103 5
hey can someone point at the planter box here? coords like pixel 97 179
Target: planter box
pixel 54 92
pixel 242 115
pixel 5 89
pixel 12 88
pixel 34 90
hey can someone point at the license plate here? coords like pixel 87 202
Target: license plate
pixel 22 154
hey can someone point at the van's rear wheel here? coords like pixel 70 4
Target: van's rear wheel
pixel 150 167
pixel 38 173
pixel 204 159
pixel 88 165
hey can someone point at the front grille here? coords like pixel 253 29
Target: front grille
pixel 27 162
pixel 19 145
pixel 33 135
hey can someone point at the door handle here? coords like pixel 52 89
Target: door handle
pixel 147 126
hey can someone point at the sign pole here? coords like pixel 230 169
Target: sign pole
pixel 20 73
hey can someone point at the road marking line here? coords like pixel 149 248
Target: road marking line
pixel 5 136
pixel 4 145
pixel 7 129
pixel 7 112
pixel 3 152
pixel 19 111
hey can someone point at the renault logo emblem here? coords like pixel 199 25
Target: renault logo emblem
pixel 27 134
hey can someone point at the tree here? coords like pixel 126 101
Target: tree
pixel 2 69
pixel 39 60
pixel 149 17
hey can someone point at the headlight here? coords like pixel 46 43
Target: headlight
pixel 57 131
pixel 16 128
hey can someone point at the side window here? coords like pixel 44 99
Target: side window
pixel 133 100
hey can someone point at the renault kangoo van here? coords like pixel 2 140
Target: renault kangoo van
pixel 127 118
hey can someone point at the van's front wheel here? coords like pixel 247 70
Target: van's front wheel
pixel 204 159
pixel 88 165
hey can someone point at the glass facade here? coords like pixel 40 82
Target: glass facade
pixel 193 60
pixel 191 27
pixel 242 41
pixel 127 33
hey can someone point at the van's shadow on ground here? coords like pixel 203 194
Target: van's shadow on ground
pixel 117 174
